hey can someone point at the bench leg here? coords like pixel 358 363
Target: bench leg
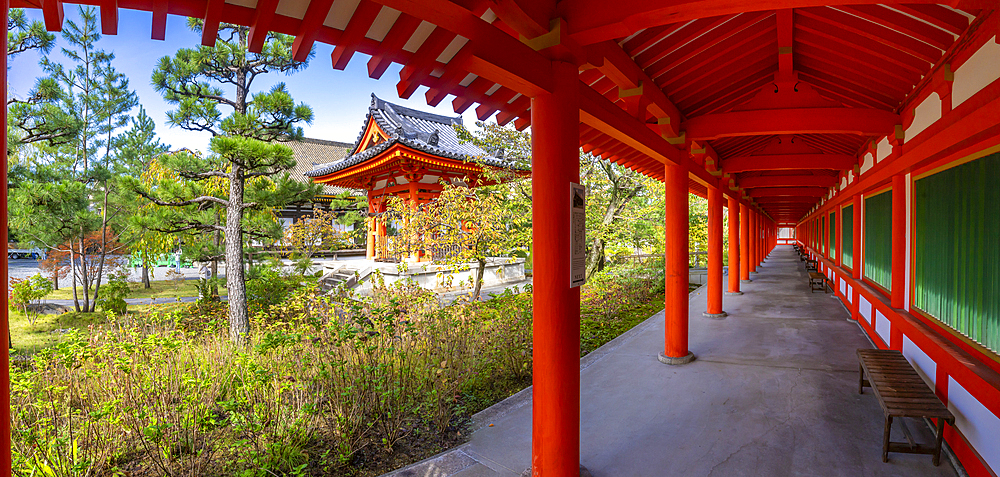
pixel 861 379
pixel 937 444
pixel 885 439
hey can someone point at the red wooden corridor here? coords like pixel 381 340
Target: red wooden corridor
pixel 786 110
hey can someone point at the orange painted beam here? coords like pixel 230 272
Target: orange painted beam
pixel 316 14
pixel 788 181
pixel 592 21
pixel 785 162
pixel 870 122
pixel 792 191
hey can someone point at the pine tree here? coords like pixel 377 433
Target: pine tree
pixel 74 193
pixel 245 157
pixel 38 116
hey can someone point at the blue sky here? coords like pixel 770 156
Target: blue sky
pixel 339 98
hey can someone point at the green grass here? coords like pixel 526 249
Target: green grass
pixel 595 332
pixel 28 338
pixel 159 289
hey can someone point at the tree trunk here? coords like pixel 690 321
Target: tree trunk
pixel 596 258
pixel 145 277
pixel 239 320
pixel 84 278
pixel 479 277
pixel 72 274
pixel 215 261
pixel 104 248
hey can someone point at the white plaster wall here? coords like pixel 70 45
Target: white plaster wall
pixel 924 115
pixel 979 426
pixel 882 326
pixel 925 366
pixel 865 309
pixel 843 286
pixel 867 163
pixel 975 74
pixel 883 149
pixel 850 294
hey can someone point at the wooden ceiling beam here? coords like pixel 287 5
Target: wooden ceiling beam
pixel 357 27
pixel 315 15
pixel 262 17
pixel 786 162
pixel 788 191
pixel 865 122
pixel 788 181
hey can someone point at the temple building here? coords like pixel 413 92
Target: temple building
pixel 402 152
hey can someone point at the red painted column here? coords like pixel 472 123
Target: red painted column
pixel 898 290
pixel 857 265
pixel 838 236
pixel 734 247
pixel 5 460
pixel 745 258
pixel 714 307
pixel 555 433
pixel 675 350
pixel 753 240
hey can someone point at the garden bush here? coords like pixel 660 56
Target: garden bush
pixel 333 384
pixel 318 392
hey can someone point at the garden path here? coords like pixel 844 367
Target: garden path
pixel 773 392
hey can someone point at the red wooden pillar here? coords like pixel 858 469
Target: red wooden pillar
pixel 714 307
pixel 5 462
pixel 675 311
pixel 745 257
pixel 754 235
pixel 857 264
pixel 898 240
pixel 370 222
pixel 838 236
pixel 555 141
pixel 734 247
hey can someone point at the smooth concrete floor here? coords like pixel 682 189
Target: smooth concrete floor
pixel 773 392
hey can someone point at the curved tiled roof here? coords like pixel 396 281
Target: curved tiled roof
pixel 311 152
pixel 431 133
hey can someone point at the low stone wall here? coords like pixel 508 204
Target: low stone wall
pixel 446 278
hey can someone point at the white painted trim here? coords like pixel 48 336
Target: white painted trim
pixel 906 261
pixel 883 327
pixel 865 309
pixel 979 426
pixel 923 364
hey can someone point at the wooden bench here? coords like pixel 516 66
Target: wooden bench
pixel 817 281
pixel 811 265
pixel 902 393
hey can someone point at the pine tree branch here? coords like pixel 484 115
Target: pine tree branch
pixel 197 200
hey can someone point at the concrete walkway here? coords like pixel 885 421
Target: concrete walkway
pixel 773 392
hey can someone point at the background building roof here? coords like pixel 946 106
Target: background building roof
pixel 431 133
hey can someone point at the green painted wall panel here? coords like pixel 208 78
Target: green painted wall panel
pixel 878 239
pixel 957 274
pixel 833 236
pixel 847 235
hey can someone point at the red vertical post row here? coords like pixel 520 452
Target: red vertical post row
pixel 555 432
pixel 898 290
pixel 837 234
pixel 5 459
pixel 753 241
pixel 734 247
pixel 745 258
pixel 857 264
pixel 675 350
pixel 714 305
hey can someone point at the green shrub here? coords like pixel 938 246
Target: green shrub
pixel 113 293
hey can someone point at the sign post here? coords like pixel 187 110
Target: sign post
pixel 578 229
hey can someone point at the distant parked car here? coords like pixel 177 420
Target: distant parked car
pixel 16 251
